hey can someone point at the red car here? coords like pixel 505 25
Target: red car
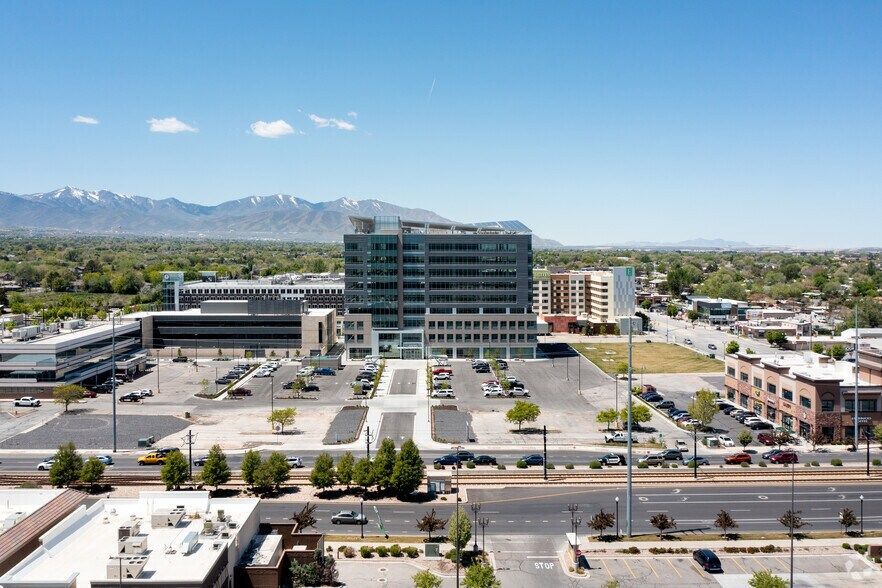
pixel 90 394
pixel 785 457
pixel 766 438
pixel 442 370
pixel 738 458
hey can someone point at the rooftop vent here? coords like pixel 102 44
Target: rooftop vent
pixel 133 545
pixel 129 530
pixel 187 542
pixel 167 517
pixel 126 568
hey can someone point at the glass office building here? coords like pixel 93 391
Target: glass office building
pixel 414 288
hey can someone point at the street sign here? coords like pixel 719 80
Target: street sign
pixel 380 524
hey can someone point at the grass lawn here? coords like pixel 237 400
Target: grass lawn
pixel 651 358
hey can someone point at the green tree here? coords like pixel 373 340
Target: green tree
pixel 459 529
pixel 745 438
pixel 602 521
pixel 216 471
pixel 692 315
pixel 837 352
pixel 175 470
pixel 426 579
pixel 608 416
pixel 662 522
pixel 703 408
pixel 766 579
pixel 480 575
pixel 68 393
pixel 646 304
pixel 283 417
pixel 91 472
pixel 817 347
pixel 278 468
pixel 522 412
pixel 792 520
pixel 363 473
pixel 345 465
pixel 877 434
pixel 127 283
pixel 776 338
pixel 724 522
pixel 67 466
pixel 732 347
pixel 407 475
pixel 791 270
pixel 621 368
pixel 384 463
pixel 672 310
pixel 640 413
pixel 322 475
pixel 250 462
pixel 847 519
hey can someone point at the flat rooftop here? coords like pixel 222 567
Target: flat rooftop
pixel 809 366
pixel 92 329
pixel 16 504
pixel 80 548
pixel 367 225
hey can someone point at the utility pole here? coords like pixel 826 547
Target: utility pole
pixel 157 370
pixel 544 452
pixel 272 392
pixel 456 521
pixel 361 520
pixel 188 441
pixel 792 507
pixel 862 515
pixel 113 371
pixel 856 366
pixel 630 445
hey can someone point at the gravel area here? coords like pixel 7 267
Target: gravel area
pixel 451 425
pixel 95 431
pixel 346 426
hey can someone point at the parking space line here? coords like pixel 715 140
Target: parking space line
pixel 633 575
pixel 778 559
pixel 697 569
pixel 609 573
pixel 737 563
pixel 673 567
pixel 649 563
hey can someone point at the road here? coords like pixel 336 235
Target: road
pixel 16 461
pixel 675 331
pixel 543 511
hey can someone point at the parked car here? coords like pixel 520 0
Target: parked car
pixel 728 410
pixel 766 438
pixel 442 377
pixel 711 346
pixel 671 454
pixel 179 359
pixel 687 341
pixel 653 397
pixel 443 393
pixel 494 393
pixel 702 461
pixel 311 388
pixel 483 369
pixel 785 457
pixel 618 437
pixel 465 455
pixel 613 459
pixel 484 460
pixel 652 459
pixel 442 370
pixel 130 397
pixel 293 461
pixel 513 392
pixel 503 365
pixel 737 458
pixel 533 459
pixel 105 459
pixel 707 560
pixel 90 394
pixel 665 404
pixel 166 450
pixel 239 392
pixel 46 464
pixel 27 401
pixel 200 461
pixel 325 371
pixel 761 425
pixel 726 441
pixel 348 517
pixel 768 454
pixel 225 380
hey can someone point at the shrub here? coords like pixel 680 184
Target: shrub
pixel 411 552
pixel 675 466
pixel 763 464
pixel 438 466
pixel 744 464
pixel 395 550
pixel 816 464
pixel 521 464
pixel 642 465
pixel 665 465
pixel 382 551
pixel 877 462
pixel 470 465
pixel 500 467
pixel 846 546
pixel 569 466
pixel 349 553
pixel 595 465
pixel 752 550
pixel 836 461
pixel 366 551
pixel 633 550
pixel 550 466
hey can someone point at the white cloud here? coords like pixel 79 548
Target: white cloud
pixel 271 130
pixel 352 114
pixel 331 122
pixel 170 125
pixel 85 120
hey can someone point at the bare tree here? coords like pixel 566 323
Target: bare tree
pixel 602 521
pixel 847 519
pixel 305 518
pixel 725 522
pixel 662 522
pixel 431 523
pixel 792 520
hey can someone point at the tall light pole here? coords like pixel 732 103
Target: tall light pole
pixel 456 519
pixel 272 392
pixel 476 508
pixel 792 511
pixel 484 521
pixel 618 527
pixel 630 445
pixel 573 508
pixel 856 365
pixel 862 515
pixel 113 371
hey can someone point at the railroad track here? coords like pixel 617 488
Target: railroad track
pixel 556 477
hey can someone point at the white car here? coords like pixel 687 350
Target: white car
pixel 488 386
pixel 751 420
pixel 46 464
pixel 440 377
pixel 446 393
pixel 304 371
pixel 494 393
pixel 294 462
pixel 726 441
pixel 27 401
pixel 518 392
pixel 263 374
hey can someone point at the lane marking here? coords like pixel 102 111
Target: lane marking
pixel 673 567
pixel 737 563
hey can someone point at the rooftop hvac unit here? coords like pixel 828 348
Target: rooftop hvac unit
pixel 220 514
pixel 207 528
pixel 74 324
pixel 129 530
pixel 126 568
pixel 51 328
pixel 11 520
pixel 167 517
pixel 136 545
pixel 187 542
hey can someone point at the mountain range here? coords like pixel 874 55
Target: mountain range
pixel 278 216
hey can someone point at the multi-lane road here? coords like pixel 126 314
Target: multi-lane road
pixel 543 511
pixel 701 335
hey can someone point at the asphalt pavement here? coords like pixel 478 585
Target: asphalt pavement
pixel 676 331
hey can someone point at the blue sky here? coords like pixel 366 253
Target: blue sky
pixel 593 122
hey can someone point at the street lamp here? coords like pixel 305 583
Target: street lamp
pixel 862 515
pixel 476 508
pixel 483 521
pixel 361 519
pixel 792 507
pixel 618 528
pixel 456 521
pixel 573 508
pixel 272 391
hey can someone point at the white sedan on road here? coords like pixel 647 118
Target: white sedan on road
pixel 442 393
pixel 497 392
pixel 27 401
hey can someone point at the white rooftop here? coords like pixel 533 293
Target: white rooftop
pixel 78 550
pixel 16 504
pixel 811 365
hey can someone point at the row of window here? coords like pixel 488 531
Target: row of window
pixel 488 247
pixel 482 324
pixel 471 298
pixel 482 337
pixel 473 260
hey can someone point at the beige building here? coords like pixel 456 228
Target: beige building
pixel 583 299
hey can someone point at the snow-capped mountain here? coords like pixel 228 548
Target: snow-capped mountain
pixel 277 216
